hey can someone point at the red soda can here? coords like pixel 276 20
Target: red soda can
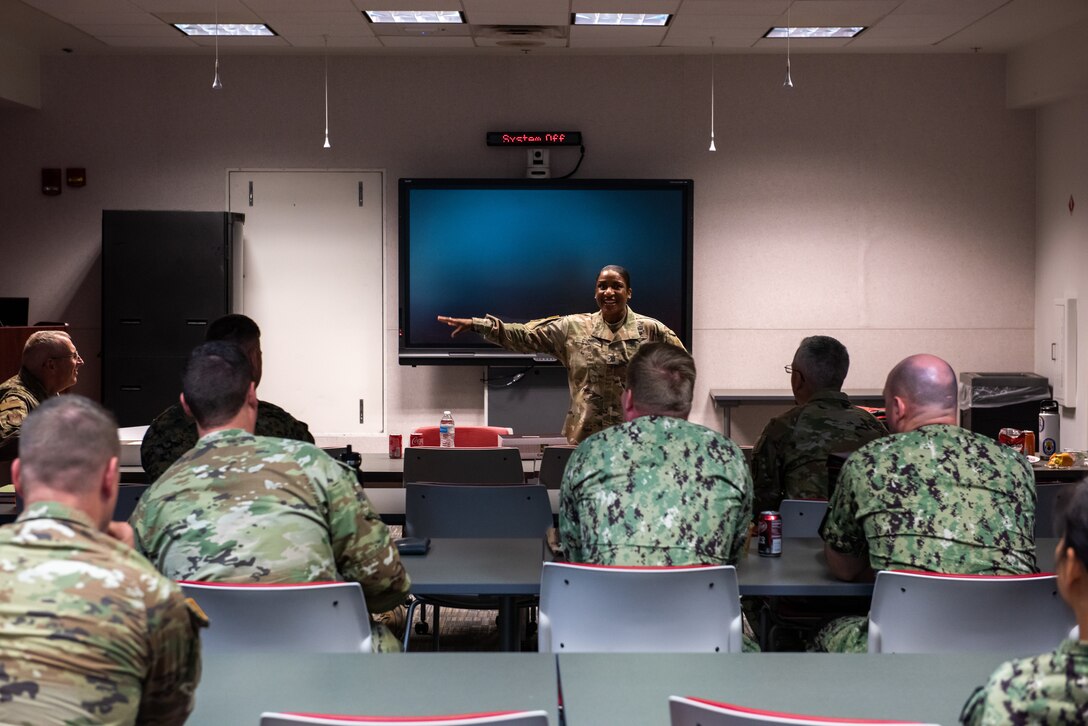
pixel 395 447
pixel 769 532
pixel 1013 438
pixel 415 439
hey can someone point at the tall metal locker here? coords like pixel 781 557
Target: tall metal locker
pixel 165 277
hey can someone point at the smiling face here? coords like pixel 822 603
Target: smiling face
pixel 63 366
pixel 612 295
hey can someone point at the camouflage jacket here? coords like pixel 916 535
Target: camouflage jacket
pixel 595 357
pixel 657 490
pixel 89 632
pixel 938 499
pixel 19 395
pixel 245 508
pixel 790 459
pixel 1049 689
pixel 172 433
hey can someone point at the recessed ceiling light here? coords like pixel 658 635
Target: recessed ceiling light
pixel 236 29
pixel 815 32
pixel 654 19
pixel 414 16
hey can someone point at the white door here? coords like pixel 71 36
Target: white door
pixel 312 265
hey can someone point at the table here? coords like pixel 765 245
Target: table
pixel 730 398
pixel 635 688
pixel 506 569
pixel 801 571
pixel 236 688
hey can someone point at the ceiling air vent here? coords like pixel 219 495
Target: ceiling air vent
pixel 521 36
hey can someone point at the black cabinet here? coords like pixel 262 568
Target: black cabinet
pixel 165 276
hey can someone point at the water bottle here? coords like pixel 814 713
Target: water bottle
pixel 446 430
pixel 1050 423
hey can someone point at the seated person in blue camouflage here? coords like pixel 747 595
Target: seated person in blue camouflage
pixel 790 459
pixel 90 633
pixel 244 508
pixel 1051 688
pixel 172 433
pixel 932 497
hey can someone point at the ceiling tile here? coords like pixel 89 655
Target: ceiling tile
pixel 411 30
pixel 288 6
pixel 429 42
pixel 122 42
pixel 407 4
pixel 626 6
pixel 734 7
pixel 839 12
pixel 601 36
pixel 160 30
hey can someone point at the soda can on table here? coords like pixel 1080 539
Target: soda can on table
pixel 395 446
pixel 415 439
pixel 769 533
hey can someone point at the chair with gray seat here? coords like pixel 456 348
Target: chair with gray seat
pixel 553 462
pixel 502 718
pixel 1050 503
pixel 690 711
pixel 468 511
pixel 492 465
pixel 802 517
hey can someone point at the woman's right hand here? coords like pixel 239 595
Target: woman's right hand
pixel 459 325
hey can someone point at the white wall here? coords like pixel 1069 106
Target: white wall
pixel 886 200
pixel 1062 241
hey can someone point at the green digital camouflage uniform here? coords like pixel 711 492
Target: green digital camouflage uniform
pixel 245 508
pixel 657 490
pixel 595 357
pixel 89 632
pixel 790 459
pixel 1049 689
pixel 19 395
pixel 172 433
pixel 937 499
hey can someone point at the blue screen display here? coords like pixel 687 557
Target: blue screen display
pixel 527 249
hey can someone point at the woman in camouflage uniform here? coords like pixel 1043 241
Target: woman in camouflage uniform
pixel 594 347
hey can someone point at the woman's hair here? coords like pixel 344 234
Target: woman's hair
pixel 1075 523
pixel 621 271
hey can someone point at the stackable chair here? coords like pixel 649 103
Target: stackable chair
pixel 1050 503
pixel 691 711
pixel 128 496
pixel 802 517
pixel 553 462
pixel 504 718
pixel 495 465
pixel 469 511
pixel 601 609
pixel 316 617
pixel 918 612
pixel 466 435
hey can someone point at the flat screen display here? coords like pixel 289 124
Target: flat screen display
pixel 522 249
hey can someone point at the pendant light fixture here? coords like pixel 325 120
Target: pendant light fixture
pixel 217 85
pixel 712 60
pixel 327 144
pixel 788 83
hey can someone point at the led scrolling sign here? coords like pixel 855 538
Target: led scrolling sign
pixel 534 138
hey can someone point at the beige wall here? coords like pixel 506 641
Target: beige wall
pixel 887 200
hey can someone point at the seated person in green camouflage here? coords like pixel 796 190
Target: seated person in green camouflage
pixel 173 432
pixel 244 508
pixel 90 633
pixel 790 459
pixel 50 364
pixel 932 497
pixel 656 490
pixel 1051 688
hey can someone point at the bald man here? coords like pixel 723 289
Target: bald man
pixel 932 496
pixel 50 365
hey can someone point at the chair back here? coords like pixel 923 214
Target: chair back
pixel 599 609
pixel 128 496
pixel 497 465
pixel 466 435
pixel 505 718
pixel 458 511
pixel 1050 503
pixel 802 517
pixel 917 612
pixel 319 617
pixel 553 462
pixel 691 711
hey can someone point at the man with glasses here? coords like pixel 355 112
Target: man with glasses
pixel 50 365
pixel 790 459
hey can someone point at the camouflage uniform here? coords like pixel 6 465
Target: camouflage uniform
pixel 19 395
pixel 172 433
pixel 790 459
pixel 245 508
pixel 89 632
pixel 937 499
pixel 595 357
pixel 1049 689
pixel 657 490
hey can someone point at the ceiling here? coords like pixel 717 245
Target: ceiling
pixel 535 26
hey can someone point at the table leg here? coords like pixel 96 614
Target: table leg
pixel 509 625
